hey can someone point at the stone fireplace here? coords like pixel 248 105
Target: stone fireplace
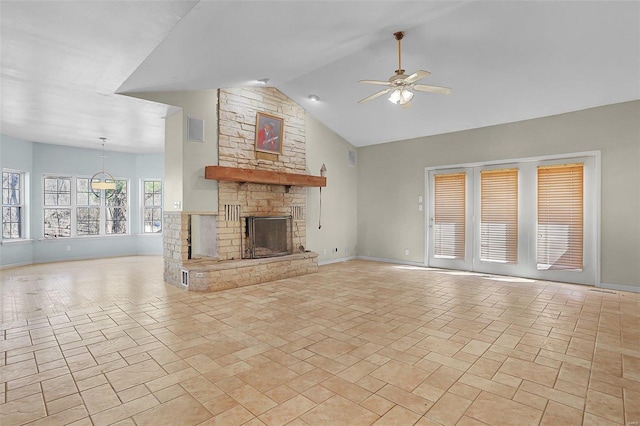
pixel 274 203
pixel 267 236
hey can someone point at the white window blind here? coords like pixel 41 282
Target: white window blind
pixel 499 215
pixel 449 215
pixel 560 217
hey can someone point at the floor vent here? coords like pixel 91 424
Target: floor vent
pixel 184 278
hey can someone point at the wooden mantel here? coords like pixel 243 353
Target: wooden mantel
pixel 269 177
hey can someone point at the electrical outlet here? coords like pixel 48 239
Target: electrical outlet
pixel 68 248
pixel 419 198
pixel 199 274
pixel 419 207
pixel 324 251
pixel 406 252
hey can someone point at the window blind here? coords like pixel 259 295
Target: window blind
pixel 499 215
pixel 449 215
pixel 560 217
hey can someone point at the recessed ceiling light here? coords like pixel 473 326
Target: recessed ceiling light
pixel 314 98
pixel 263 80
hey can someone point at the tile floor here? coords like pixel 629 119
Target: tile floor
pixel 107 342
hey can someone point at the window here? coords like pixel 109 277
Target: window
pixel 12 205
pixel 87 209
pixel 57 210
pixel 152 197
pixel 560 217
pixel 116 210
pixel 73 209
pixel 499 215
pixel 449 218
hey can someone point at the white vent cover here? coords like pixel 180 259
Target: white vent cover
pixel 352 158
pixel 297 212
pixel 184 278
pixel 231 212
pixel 195 129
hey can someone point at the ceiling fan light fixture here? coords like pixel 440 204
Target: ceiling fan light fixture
pixel 405 96
pixel 395 96
pixel 401 96
pixel 399 83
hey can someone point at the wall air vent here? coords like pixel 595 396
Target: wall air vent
pixel 297 212
pixel 195 128
pixel 231 212
pixel 352 158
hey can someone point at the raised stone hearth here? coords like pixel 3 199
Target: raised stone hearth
pixel 207 275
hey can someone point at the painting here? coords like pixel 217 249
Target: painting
pixel 269 132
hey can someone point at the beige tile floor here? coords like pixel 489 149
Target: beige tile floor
pixel 107 342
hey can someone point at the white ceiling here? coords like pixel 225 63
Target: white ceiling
pixel 65 65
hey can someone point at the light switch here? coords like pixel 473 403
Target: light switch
pixel 419 198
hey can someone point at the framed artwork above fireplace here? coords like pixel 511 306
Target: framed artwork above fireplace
pixel 269 133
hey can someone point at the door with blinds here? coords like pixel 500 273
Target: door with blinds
pixel 566 212
pixel 450 219
pixel 497 212
pixel 535 219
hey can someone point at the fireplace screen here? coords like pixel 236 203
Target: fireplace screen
pixel 267 236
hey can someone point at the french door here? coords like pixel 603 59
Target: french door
pixel 450 219
pixel 532 218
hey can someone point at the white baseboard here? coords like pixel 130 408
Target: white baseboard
pixel 15 265
pixel 620 287
pixel 330 261
pixel 396 261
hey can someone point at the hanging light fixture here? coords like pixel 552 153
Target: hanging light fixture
pixel 102 180
pixel 401 96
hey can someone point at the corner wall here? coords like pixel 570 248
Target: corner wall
pixel 391 177
pixel 338 215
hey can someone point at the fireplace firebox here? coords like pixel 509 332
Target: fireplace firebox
pixel 267 236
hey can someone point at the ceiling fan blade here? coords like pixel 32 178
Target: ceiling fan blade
pixel 432 89
pixel 416 76
pixel 375 95
pixel 383 83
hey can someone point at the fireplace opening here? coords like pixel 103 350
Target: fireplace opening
pixel 267 236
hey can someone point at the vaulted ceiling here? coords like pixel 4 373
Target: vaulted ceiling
pixel 67 66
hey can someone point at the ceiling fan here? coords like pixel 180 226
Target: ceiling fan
pixel 400 83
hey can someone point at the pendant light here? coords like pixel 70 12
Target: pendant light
pixel 102 180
